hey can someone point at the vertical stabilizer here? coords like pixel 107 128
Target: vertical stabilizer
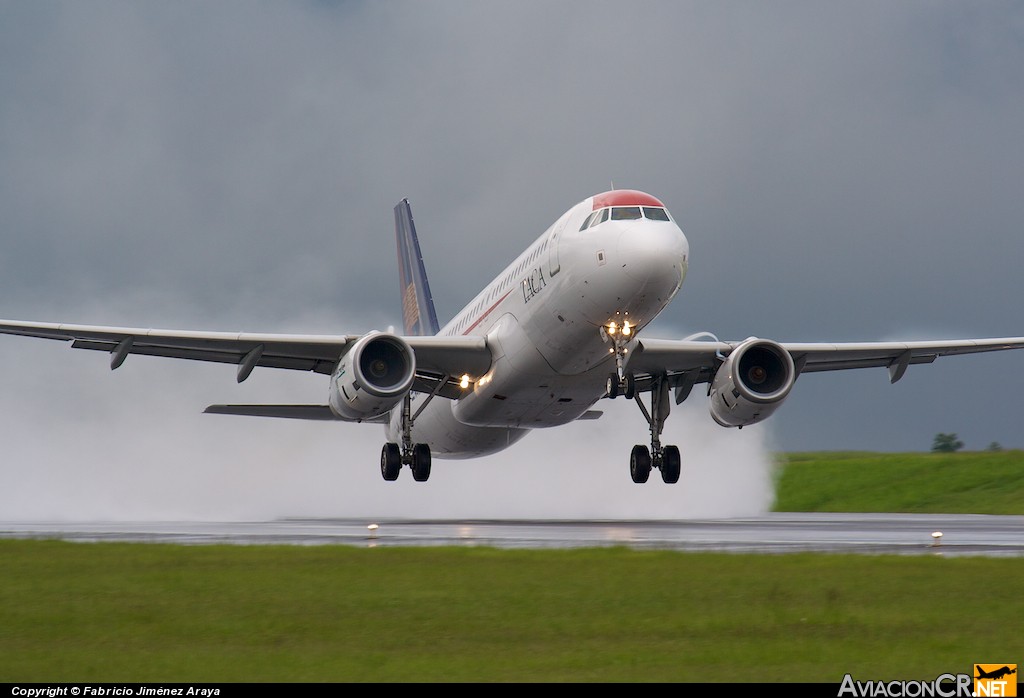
pixel 418 316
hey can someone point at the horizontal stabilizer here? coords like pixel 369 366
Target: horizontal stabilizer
pixel 312 412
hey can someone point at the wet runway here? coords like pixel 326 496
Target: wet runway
pixel 772 533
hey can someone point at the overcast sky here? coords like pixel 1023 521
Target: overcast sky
pixel 843 171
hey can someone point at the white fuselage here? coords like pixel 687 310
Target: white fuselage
pixel 542 317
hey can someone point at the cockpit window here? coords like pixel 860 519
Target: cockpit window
pixel 586 223
pixel 626 213
pixel 655 214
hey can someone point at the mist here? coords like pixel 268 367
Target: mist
pixel 84 443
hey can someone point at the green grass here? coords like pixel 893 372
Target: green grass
pixel 952 483
pixel 149 612
pixel 166 613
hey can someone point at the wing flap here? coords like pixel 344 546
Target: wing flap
pixel 267 359
pixel 320 413
pixel 431 384
pixel 833 364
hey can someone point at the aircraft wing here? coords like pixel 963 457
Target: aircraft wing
pixel 688 362
pixel 437 358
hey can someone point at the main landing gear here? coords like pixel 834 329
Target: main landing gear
pixel 664 458
pixel 417 456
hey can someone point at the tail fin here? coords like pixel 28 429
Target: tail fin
pixel 418 314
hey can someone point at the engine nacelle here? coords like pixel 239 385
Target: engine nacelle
pixel 372 377
pixel 752 383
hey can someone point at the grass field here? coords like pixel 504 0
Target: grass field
pixel 166 613
pixel 161 613
pixel 952 483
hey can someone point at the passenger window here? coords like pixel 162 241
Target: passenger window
pixel 626 213
pixel 656 214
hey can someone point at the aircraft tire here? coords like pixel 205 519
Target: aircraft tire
pixel 671 464
pixel 640 464
pixel 612 385
pixel 390 461
pixel 420 462
pixel 630 389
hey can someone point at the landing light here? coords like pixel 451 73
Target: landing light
pixel 612 328
pixel 625 328
pixel 464 383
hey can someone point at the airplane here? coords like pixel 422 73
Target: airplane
pixel 996 673
pixel 554 333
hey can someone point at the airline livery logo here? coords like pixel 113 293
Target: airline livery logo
pixel 410 308
pixel 995 680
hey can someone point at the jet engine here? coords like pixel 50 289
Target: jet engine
pixel 372 377
pixel 752 383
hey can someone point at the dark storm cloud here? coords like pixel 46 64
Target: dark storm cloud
pixel 844 171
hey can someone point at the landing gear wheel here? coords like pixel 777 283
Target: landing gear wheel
pixel 612 386
pixel 640 464
pixel 671 464
pixel 629 390
pixel 420 462
pixel 390 461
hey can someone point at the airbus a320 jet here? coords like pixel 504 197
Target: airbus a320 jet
pixel 557 331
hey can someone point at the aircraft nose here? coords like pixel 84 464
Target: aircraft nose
pixel 654 253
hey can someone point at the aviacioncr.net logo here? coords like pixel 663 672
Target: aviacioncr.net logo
pixel 943 686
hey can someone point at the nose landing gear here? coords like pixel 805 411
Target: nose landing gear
pixel 620 382
pixel 624 385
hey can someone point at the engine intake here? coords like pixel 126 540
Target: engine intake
pixel 372 377
pixel 752 383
